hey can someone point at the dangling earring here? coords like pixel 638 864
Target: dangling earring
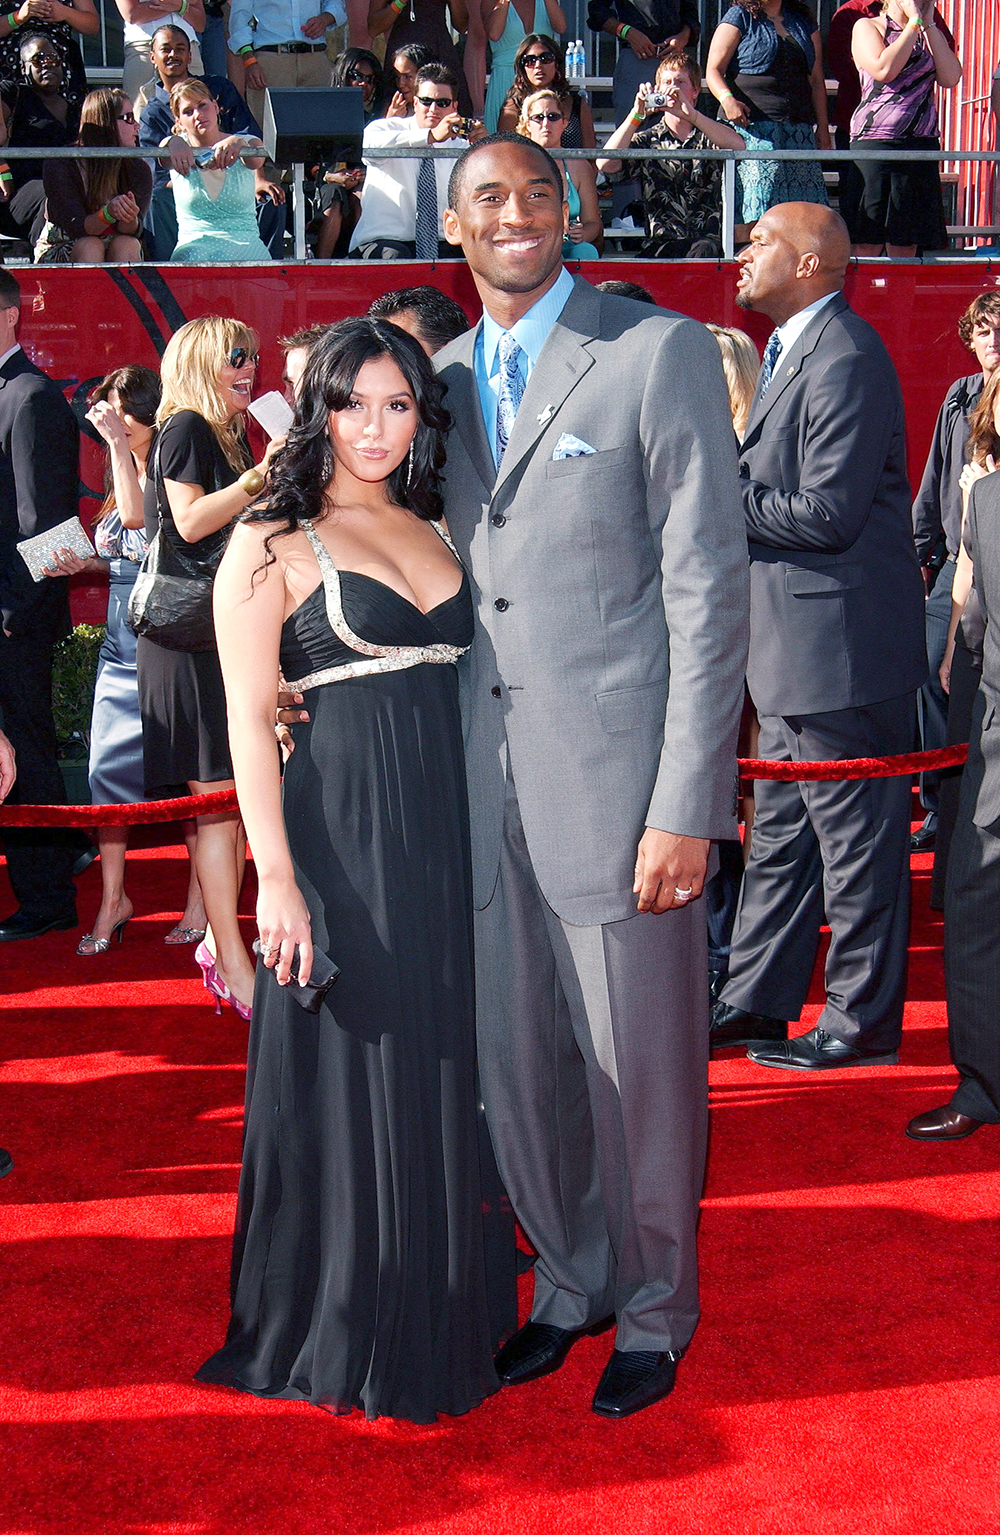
pixel 409 466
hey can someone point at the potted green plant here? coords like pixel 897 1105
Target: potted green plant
pixel 74 672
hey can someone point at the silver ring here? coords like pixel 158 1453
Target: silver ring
pixel 267 950
pixel 683 895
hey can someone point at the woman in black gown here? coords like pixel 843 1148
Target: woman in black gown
pixel 358 1276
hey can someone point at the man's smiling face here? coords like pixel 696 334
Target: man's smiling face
pixel 511 218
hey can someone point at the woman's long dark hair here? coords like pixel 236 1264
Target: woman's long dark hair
pixel 302 470
pixel 138 392
pixel 522 87
pixel 347 61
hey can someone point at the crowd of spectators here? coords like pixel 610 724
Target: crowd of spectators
pixel 766 85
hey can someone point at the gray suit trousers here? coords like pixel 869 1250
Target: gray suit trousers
pixel 972 946
pixel 593 1057
pixel 839 847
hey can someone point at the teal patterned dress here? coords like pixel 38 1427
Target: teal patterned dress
pixel 223 228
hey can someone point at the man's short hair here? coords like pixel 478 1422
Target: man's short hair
pixel 439 318
pixel 437 74
pixel 305 338
pixel 677 62
pixel 169 26
pixel 626 290
pixel 457 177
pixel 984 309
pixel 10 293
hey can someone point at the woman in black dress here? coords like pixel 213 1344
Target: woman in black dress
pixel 358 1278
pixel 200 479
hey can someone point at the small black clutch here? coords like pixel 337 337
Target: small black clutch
pixel 322 976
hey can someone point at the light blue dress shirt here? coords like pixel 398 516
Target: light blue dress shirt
pixel 531 332
pixel 278 21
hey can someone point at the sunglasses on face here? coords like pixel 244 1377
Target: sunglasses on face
pixel 545 117
pixel 239 356
pixel 126 117
pixel 365 76
pixel 435 101
pixel 539 58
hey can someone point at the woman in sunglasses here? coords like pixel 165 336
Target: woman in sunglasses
pixel 359 68
pixel 544 116
pixel 94 209
pixel 200 480
pixel 539 63
pixel 214 189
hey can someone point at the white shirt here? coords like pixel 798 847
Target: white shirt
pixel 792 329
pixel 389 195
pixel 10 352
pixel 142 31
pixel 279 21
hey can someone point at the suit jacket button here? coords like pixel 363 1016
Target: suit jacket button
pixel 501 604
pixel 495 692
pixel 499 520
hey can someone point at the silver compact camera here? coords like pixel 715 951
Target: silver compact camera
pixel 656 101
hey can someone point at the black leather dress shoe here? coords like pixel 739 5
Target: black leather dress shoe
pixel 21 924
pixel 634 1379
pixel 731 1026
pixel 945 1124
pixel 6 1162
pixel 716 980
pixel 536 1349
pixel 819 1051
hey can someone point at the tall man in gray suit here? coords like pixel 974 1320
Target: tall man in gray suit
pixel 836 655
pixel 591 490
pixel 972 891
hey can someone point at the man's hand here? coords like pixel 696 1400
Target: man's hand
pixel 288 714
pixel 447 128
pixel 678 104
pixel 8 766
pixel 669 870
pixel 254 79
pixel 316 26
pixel 640 44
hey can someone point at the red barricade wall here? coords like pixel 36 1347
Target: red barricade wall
pixel 79 324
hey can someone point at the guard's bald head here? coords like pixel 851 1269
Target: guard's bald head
pixel 798 253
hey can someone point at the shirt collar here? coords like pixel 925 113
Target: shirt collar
pixel 532 329
pixel 792 329
pixel 9 353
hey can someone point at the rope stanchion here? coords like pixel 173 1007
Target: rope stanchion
pixel 151 811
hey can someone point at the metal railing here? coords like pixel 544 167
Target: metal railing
pixel 729 158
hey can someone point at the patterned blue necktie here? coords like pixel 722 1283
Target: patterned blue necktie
pixel 511 390
pixel 427 212
pixel 770 358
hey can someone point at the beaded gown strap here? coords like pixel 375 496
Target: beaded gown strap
pixel 379 658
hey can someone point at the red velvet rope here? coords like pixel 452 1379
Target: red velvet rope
pixel 225 800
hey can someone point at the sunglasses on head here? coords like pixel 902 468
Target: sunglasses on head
pixel 545 117
pixel 539 58
pixel 436 101
pixel 239 356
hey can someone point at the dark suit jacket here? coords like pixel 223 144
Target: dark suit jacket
pixel 937 506
pixel 39 484
pixel 982 538
pixel 836 595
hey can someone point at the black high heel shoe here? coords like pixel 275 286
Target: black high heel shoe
pixel 102 945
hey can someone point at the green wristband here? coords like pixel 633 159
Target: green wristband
pixel 12 21
pixel 623 34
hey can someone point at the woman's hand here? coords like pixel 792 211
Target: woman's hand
pixel 33 10
pixel 283 924
pixel 123 209
pixel 944 670
pixel 181 155
pixel 227 151
pixel 69 564
pixel 640 44
pixel 397 106
pixel 106 420
pixel 736 112
pixel 575 232
pixel 973 472
pixel 911 10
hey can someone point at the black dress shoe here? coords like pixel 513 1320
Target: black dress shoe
pixel 634 1379
pixel 945 1124
pixel 924 838
pixel 731 1026
pixel 6 1162
pixel 716 980
pixel 536 1349
pixel 84 858
pixel 819 1051
pixel 21 924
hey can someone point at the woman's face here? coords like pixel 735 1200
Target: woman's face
pixel 236 377
pixel 546 123
pixel 539 65
pixel 371 436
pixel 406 75
pixel 138 433
pixel 198 120
pixel 42 66
pixel 126 126
pixel 362 75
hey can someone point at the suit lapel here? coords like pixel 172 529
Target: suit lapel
pixel 561 364
pixel 789 366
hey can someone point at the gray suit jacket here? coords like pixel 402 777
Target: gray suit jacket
pixel 611 592
pixel 836 595
pixel 982 538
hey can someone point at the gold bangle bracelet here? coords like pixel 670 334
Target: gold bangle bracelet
pixel 251 482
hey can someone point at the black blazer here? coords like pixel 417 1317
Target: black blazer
pixel 982 539
pixel 39 484
pixel 836 594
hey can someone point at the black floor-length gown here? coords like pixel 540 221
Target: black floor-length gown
pixel 358 1267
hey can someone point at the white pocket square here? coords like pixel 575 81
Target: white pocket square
pixel 569 446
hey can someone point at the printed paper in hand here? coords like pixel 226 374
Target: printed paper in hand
pixel 38 553
pixel 273 413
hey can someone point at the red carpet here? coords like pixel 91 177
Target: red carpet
pixel 844 1379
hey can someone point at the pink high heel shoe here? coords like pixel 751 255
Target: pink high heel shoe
pixel 215 985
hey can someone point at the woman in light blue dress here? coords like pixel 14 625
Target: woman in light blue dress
pixel 213 188
pixel 508 23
